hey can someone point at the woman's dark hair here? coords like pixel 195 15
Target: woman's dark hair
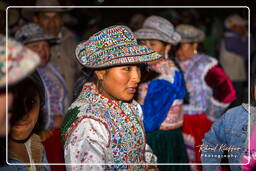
pixel 24 92
pixel 172 57
pixel 86 75
pixel 252 89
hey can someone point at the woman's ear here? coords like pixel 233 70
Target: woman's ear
pixel 167 48
pixel 195 45
pixel 100 74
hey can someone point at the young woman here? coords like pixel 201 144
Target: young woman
pixel 210 90
pixel 230 134
pixel 24 145
pixel 104 123
pixel 33 37
pixel 162 97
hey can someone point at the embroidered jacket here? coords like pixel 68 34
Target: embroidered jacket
pixel 210 90
pixel 56 96
pixel 99 130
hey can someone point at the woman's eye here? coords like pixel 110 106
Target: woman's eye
pixel 127 68
pixel 141 42
pixel 30 102
pixel 152 44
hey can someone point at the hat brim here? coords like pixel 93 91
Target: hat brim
pixel 28 13
pixel 124 55
pixel 229 24
pixel 52 40
pixel 151 34
pixel 21 62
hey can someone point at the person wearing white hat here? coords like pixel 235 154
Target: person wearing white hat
pixel 162 97
pixel 210 90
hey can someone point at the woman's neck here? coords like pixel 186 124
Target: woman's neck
pixel 18 151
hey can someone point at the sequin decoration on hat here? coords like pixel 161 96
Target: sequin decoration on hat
pixel 158 28
pixel 112 46
pixel 21 61
pixel 190 34
pixel 32 33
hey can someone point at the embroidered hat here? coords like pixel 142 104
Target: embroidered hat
pixel 234 20
pixel 158 28
pixel 190 34
pixel 21 61
pixel 115 45
pixel 32 33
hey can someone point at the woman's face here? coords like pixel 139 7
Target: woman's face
pixel 185 51
pixel 157 46
pixel 42 48
pixel 119 83
pixel 3 110
pixel 23 128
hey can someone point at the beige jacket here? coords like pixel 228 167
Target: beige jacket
pixel 63 55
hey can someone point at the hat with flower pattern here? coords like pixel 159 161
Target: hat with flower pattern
pixel 19 62
pixel 112 46
pixel 32 32
pixel 190 34
pixel 158 28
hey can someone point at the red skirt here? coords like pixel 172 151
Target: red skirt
pixel 194 128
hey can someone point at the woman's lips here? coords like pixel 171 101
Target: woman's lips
pixel 22 124
pixel 132 90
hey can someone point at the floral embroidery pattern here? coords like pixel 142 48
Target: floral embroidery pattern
pixel 127 139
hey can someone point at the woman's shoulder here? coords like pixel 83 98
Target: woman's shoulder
pixel 236 116
pixel 206 60
pixel 169 64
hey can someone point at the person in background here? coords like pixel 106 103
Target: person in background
pixel 50 19
pixel 33 37
pixel 21 62
pixel 104 124
pixel 231 130
pixel 24 145
pixel 162 97
pixel 56 98
pixel 234 54
pixel 210 90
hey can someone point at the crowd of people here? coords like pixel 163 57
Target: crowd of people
pixel 142 96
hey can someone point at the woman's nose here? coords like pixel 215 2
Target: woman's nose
pixel 136 75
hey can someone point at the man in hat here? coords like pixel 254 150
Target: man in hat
pixel 21 62
pixel 234 53
pixel 50 19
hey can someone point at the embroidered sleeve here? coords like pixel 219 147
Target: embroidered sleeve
pixel 88 143
pixel 160 97
pixel 223 89
pixel 223 93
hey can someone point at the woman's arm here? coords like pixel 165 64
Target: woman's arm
pixel 159 99
pixel 88 143
pixel 223 92
pixel 212 141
